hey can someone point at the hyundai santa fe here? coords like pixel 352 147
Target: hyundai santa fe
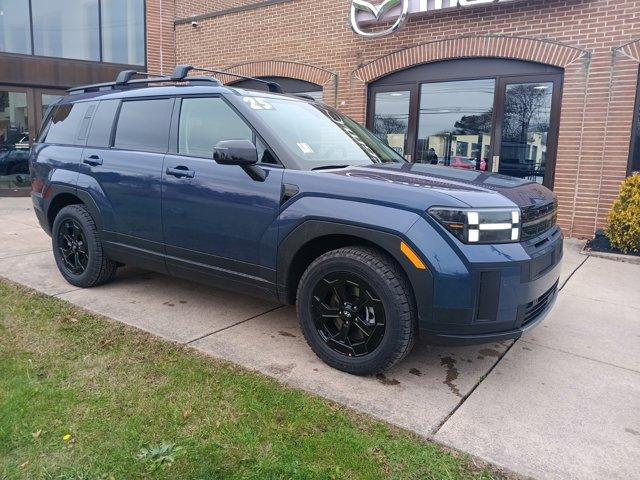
pixel 285 198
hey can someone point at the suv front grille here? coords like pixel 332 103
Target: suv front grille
pixel 538 219
pixel 533 309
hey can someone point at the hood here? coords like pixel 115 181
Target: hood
pixel 468 186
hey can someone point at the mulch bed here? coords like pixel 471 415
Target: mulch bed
pixel 600 243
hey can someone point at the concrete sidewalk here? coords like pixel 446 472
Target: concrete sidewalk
pixel 563 402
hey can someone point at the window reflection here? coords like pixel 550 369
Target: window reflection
pixel 66 28
pixel 123 31
pixel 454 124
pixel 14 139
pixel 391 120
pixel 525 128
pixel 15 32
pixel 47 100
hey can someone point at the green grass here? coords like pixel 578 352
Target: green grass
pixel 82 397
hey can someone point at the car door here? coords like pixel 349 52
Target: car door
pixel 219 223
pixel 122 170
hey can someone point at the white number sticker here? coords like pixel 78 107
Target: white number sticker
pixel 257 103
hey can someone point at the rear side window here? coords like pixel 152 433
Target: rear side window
pixel 65 124
pixel 206 121
pixel 100 133
pixel 144 125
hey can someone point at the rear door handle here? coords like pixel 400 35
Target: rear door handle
pixel 181 172
pixel 93 160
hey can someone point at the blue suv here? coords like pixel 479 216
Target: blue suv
pixel 285 198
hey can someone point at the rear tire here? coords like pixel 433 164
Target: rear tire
pixel 78 250
pixel 356 310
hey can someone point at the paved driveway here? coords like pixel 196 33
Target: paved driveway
pixel 562 402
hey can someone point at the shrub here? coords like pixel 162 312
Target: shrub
pixel 623 230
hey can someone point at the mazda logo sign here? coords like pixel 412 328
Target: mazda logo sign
pixel 378 12
pixel 367 14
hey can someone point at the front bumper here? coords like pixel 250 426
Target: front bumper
pixel 490 293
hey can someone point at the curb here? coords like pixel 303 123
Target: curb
pixel 616 257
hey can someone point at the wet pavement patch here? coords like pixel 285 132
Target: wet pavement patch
pixel 286 334
pixel 452 374
pixel 382 378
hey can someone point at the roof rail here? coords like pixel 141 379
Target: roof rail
pixel 185 69
pixel 125 79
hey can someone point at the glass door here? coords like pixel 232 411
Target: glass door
pixel 391 120
pixel 16 127
pixel 455 123
pixel 527 128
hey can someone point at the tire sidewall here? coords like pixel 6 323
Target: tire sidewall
pixel 393 330
pixel 88 230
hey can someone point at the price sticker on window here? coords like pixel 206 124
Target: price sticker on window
pixel 306 149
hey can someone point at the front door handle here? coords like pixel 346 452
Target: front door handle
pixel 93 160
pixel 181 172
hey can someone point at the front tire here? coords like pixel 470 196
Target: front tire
pixel 78 250
pixel 356 310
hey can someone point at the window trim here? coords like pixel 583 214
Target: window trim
pixel 174 135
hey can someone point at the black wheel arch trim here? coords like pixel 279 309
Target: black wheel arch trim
pixel 57 189
pixel 421 280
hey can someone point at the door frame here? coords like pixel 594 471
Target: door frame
pixel 31 112
pixel 554 119
pixel 414 102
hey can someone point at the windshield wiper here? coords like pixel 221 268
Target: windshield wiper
pixel 328 167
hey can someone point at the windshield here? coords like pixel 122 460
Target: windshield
pixel 319 137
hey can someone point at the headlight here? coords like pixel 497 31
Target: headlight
pixel 480 225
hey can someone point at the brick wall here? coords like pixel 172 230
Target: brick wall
pixel 161 50
pixel 599 83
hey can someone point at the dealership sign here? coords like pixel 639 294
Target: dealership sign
pixel 364 15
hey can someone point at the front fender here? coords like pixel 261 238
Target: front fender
pixel 312 218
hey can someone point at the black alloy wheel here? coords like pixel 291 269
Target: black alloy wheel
pixel 72 246
pixel 348 314
pixel 356 310
pixel 78 250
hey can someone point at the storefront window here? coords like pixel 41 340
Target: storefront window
pixel 14 139
pixel 525 128
pixel 66 29
pixel 454 123
pixel 123 31
pixel 391 119
pixel 15 29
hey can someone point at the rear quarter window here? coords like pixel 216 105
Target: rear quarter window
pixel 144 125
pixel 67 123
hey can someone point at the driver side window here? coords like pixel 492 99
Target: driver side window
pixel 206 121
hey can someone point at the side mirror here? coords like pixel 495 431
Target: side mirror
pixel 235 152
pixel 242 153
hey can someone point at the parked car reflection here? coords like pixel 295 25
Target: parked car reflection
pixel 14 159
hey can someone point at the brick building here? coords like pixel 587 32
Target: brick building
pixel 542 89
